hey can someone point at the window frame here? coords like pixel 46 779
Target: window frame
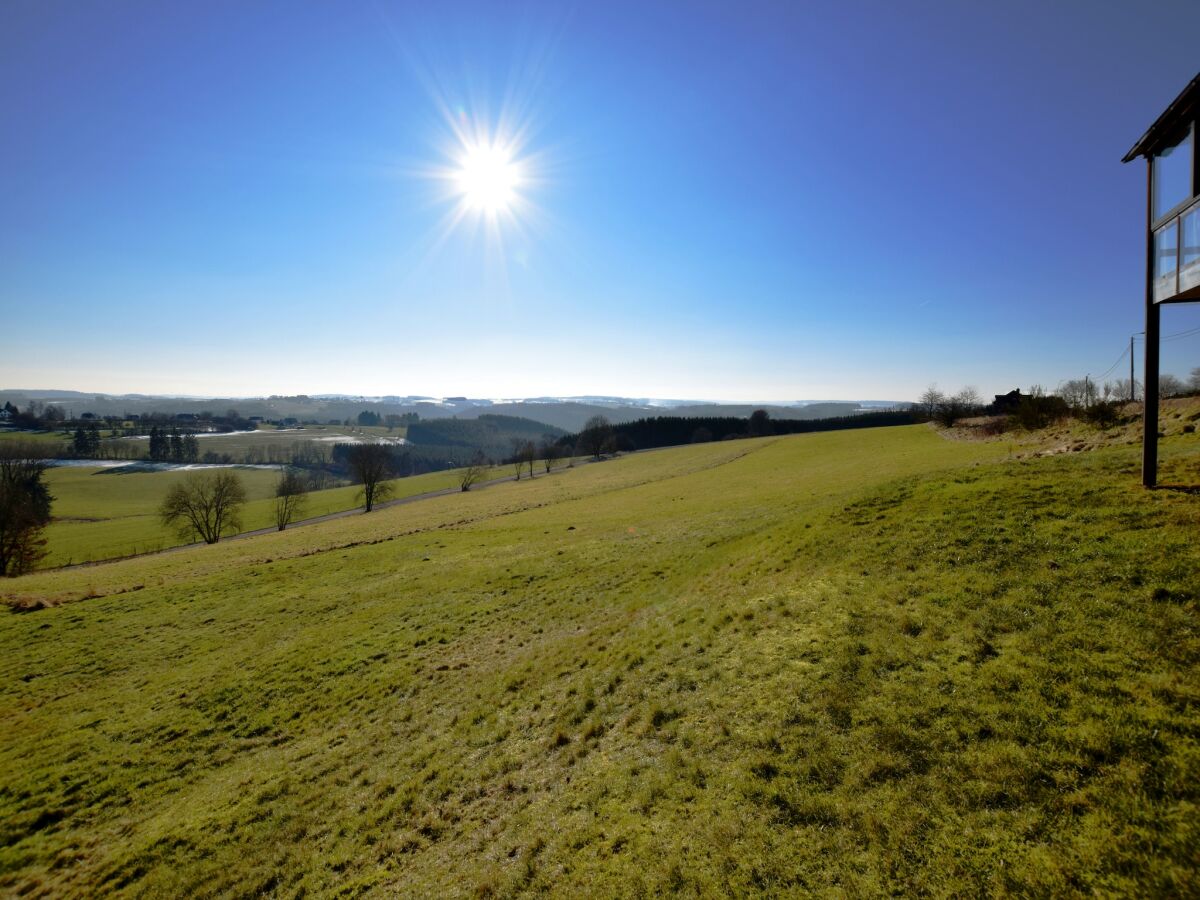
pixel 1188 132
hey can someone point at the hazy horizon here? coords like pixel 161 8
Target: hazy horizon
pixel 419 397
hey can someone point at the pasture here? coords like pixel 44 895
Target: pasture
pixel 104 513
pixel 51 440
pixel 849 663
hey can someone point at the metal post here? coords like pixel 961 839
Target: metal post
pixel 1150 382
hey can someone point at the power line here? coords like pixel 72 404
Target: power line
pixel 1182 334
pixel 1171 337
pixel 1124 353
pixel 1179 335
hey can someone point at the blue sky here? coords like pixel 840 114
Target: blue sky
pixel 758 201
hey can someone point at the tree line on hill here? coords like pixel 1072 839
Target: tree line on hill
pixel 52 417
pixel 1079 398
pixel 172 445
pixel 371 419
pixel 672 431
pixel 600 438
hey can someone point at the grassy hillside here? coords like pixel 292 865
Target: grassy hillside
pixel 102 513
pixel 107 513
pixel 860 663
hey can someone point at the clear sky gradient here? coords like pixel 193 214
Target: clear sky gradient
pixel 732 201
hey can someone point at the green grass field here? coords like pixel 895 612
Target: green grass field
pixel 105 513
pixel 851 663
pixel 49 438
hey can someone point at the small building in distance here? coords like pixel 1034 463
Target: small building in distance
pixel 1008 403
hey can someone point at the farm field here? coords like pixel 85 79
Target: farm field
pixel 856 663
pixel 240 443
pixel 237 444
pixel 105 513
pixel 51 439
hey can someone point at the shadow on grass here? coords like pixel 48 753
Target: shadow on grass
pixel 1179 488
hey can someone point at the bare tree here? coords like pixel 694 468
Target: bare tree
pixel 517 460
pixel 205 504
pixel 596 431
pixel 290 496
pixel 24 506
pixel 1121 390
pixel 371 465
pixel 551 452
pixel 1194 379
pixel 950 409
pixel 969 398
pixel 474 472
pixel 929 401
pixel 523 455
pixel 1074 392
pixel 1170 386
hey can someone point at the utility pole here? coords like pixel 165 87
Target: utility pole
pixel 1132 383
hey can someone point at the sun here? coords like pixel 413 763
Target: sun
pixel 487 177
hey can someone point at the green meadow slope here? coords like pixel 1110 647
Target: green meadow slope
pixel 852 663
pixel 102 514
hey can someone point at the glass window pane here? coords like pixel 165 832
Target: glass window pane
pixel 1189 253
pixel 1165 250
pixel 1166 256
pixel 1173 176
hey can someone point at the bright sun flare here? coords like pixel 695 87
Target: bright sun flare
pixel 487 178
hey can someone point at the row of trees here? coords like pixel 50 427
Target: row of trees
pixel 600 438
pixel 86 441
pixel 172 445
pixel 51 416
pixel 527 453
pixel 35 415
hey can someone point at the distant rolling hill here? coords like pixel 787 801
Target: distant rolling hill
pixel 566 413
